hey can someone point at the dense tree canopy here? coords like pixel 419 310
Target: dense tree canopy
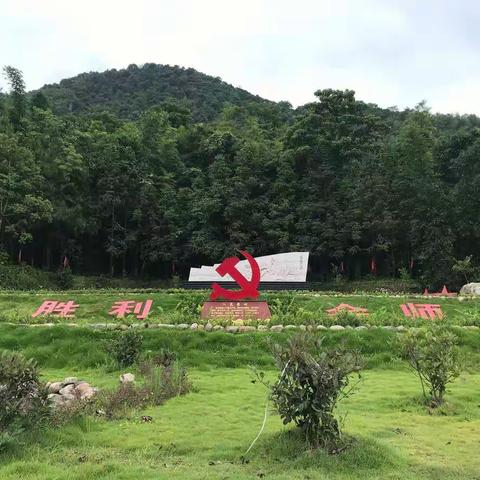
pixel 147 179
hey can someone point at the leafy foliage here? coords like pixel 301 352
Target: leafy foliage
pixel 433 355
pixel 129 92
pixel 311 382
pixel 146 171
pixel 126 347
pixel 23 398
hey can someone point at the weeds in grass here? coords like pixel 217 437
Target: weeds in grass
pixel 163 377
pixel 21 318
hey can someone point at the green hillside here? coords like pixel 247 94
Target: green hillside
pixel 129 92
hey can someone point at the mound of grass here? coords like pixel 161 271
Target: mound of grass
pixel 62 347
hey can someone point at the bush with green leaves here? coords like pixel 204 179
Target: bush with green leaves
pixel 433 355
pixel 286 310
pixel 23 398
pixel 187 309
pixel 125 347
pixel 64 279
pixel 311 382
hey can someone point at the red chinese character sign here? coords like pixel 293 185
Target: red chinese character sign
pixel 345 307
pixel 127 307
pixel 57 309
pixel 234 309
pixel 428 311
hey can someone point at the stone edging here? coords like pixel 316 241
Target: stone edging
pixel 228 329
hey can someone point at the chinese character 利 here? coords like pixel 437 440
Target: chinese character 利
pixel 126 307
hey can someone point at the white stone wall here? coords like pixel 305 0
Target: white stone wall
pixel 282 267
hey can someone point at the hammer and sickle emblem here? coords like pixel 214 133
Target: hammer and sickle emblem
pixel 248 287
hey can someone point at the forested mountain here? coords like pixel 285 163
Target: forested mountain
pixel 128 92
pixel 156 189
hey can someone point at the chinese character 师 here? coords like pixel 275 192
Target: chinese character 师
pixel 423 310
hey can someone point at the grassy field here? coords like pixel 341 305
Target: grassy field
pixel 173 306
pixel 204 435
pixel 63 347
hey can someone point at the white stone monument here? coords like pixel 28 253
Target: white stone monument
pixel 281 267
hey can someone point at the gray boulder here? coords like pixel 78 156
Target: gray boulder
pixel 246 328
pixel 84 391
pixel 276 328
pixel 127 378
pixel 470 289
pixel 54 387
pixel 68 390
pixel 69 381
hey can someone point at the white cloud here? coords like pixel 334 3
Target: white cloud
pixel 395 52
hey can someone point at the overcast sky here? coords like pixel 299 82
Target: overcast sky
pixel 389 52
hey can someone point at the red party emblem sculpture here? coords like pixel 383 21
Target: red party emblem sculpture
pixel 248 287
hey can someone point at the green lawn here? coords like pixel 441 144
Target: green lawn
pixel 204 434
pixel 94 305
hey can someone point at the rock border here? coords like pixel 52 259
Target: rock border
pixel 232 328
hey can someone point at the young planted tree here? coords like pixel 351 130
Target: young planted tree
pixel 433 355
pixel 312 380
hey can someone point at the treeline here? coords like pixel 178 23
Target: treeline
pixel 365 190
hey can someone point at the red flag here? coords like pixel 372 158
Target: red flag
pixel 373 265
